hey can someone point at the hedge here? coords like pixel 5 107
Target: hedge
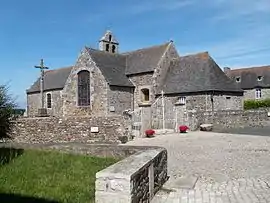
pixel 255 104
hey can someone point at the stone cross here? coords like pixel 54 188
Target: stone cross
pixel 42 68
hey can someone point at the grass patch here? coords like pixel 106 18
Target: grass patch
pixel 51 175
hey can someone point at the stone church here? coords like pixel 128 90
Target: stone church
pixel 155 84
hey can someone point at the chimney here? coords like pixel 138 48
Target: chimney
pixel 227 70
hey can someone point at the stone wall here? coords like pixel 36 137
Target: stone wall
pixel 134 179
pixel 176 114
pixel 98 89
pixel 228 118
pixel 250 94
pixel 34 103
pixel 120 99
pixel 142 81
pixel 71 129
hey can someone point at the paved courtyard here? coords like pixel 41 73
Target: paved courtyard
pixel 214 167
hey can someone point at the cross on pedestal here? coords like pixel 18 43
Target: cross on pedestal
pixel 42 68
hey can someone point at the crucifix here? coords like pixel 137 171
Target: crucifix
pixel 42 68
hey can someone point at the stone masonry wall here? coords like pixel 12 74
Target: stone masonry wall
pixel 228 118
pixel 176 114
pixel 120 99
pixel 134 179
pixel 71 129
pixel 34 103
pixel 98 89
pixel 162 68
pixel 250 94
pixel 142 81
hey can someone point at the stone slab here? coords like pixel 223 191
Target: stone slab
pixel 184 182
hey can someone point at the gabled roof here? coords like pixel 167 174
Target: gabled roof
pixel 112 67
pixel 197 73
pixel 249 76
pixel 53 79
pixel 144 60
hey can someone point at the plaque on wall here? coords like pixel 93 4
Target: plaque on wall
pixel 94 129
pixel 112 109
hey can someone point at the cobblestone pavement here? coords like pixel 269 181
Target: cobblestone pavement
pixel 230 168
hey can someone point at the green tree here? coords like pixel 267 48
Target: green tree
pixel 7 106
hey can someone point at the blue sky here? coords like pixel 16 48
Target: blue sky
pixel 235 32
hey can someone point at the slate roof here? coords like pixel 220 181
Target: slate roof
pixel 197 73
pixel 53 79
pixel 249 77
pixel 144 60
pixel 112 67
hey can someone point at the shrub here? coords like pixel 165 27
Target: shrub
pixel 255 104
pixel 7 106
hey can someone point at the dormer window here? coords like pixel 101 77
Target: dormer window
pixel 259 78
pixel 238 79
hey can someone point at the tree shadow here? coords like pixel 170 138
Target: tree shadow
pixel 8 154
pixel 15 198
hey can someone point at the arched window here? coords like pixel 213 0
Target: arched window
pixel 145 95
pixel 84 88
pixel 110 37
pixel 107 47
pixel 49 100
pixel 113 48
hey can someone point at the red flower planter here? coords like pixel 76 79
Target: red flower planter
pixel 183 128
pixel 149 133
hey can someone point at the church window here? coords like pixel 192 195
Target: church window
pixel 259 78
pixel 113 48
pixel 84 88
pixel 238 79
pixel 145 95
pixel 110 37
pixel 49 100
pixel 107 47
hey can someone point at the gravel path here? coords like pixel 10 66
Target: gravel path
pixel 217 159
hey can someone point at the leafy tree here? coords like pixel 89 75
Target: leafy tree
pixel 7 106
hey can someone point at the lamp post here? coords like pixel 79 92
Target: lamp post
pixel 42 110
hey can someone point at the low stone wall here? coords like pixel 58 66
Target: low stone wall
pixel 229 119
pixel 134 179
pixel 71 129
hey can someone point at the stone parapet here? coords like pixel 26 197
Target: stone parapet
pixel 134 179
pixel 228 118
pixel 71 129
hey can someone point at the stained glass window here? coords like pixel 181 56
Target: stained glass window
pixel 84 88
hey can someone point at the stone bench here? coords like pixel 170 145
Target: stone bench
pixel 134 179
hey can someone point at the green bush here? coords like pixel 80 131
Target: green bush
pixel 7 106
pixel 255 104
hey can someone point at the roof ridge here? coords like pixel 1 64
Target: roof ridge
pixel 145 48
pixel 103 52
pixel 251 68
pixel 200 54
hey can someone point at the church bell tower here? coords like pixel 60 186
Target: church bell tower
pixel 108 43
